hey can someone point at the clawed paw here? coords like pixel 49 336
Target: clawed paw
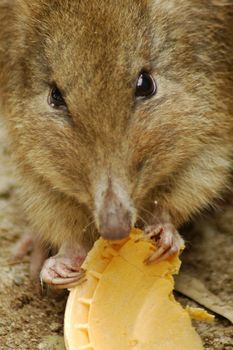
pixel 62 272
pixel 168 240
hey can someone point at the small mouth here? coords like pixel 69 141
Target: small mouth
pixel 115 233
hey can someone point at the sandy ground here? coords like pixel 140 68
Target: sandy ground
pixel 29 321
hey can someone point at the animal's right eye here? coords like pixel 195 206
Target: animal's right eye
pixel 145 86
pixel 55 98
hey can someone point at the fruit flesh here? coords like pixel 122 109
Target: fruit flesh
pixel 126 304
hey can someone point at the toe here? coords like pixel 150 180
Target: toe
pixel 162 254
pixel 169 244
pixel 153 231
pixel 63 270
pixel 67 282
pixel 58 271
pixel 156 257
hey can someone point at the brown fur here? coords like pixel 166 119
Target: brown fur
pixel 176 147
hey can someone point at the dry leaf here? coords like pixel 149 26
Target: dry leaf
pixel 194 289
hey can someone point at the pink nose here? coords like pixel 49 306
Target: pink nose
pixel 115 225
pixel 115 220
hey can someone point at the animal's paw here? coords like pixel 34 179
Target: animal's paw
pixel 169 241
pixel 62 272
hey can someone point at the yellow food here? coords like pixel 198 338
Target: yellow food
pixel 125 304
pixel 199 314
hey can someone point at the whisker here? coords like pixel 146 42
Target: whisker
pixel 144 221
pixel 146 211
pixel 88 225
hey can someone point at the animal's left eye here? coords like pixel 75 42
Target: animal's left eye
pixel 146 86
pixel 55 98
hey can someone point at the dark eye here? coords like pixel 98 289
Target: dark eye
pixel 55 98
pixel 146 86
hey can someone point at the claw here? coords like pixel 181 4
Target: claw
pixel 151 233
pixel 169 242
pixel 73 274
pixel 67 282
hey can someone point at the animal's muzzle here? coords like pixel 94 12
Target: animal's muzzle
pixel 114 213
pixel 115 222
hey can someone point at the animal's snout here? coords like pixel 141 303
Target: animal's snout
pixel 114 221
pixel 114 214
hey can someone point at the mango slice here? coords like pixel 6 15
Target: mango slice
pixel 125 304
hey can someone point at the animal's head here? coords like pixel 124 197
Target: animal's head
pixel 113 100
